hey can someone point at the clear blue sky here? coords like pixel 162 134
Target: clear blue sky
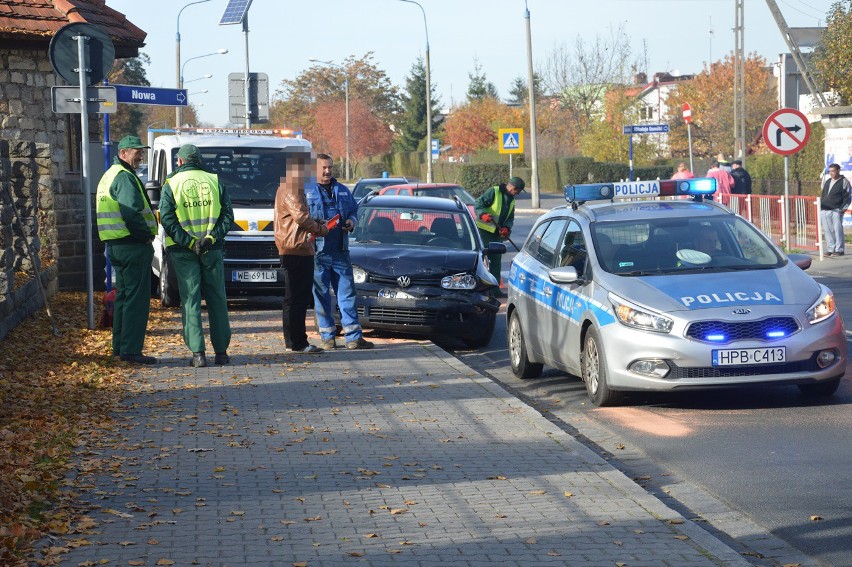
pixel 285 34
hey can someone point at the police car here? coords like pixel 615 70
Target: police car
pixel 667 294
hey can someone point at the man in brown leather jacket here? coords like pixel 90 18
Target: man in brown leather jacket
pixel 295 231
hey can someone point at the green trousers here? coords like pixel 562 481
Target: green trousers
pixel 494 260
pixel 202 277
pixel 132 266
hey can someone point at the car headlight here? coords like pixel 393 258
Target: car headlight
pixel 458 281
pixel 359 275
pixel 822 309
pixel 638 318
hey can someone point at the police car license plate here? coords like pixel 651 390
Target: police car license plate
pixel 254 276
pixel 744 356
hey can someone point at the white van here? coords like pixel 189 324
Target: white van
pixel 249 164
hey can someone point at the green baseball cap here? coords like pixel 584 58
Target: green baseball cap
pixel 518 183
pixel 131 143
pixel 188 151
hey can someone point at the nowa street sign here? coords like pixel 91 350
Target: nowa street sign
pixel 133 94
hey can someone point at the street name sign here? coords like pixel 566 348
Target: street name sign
pixel 646 129
pixel 133 94
pixel 511 140
pixel 786 131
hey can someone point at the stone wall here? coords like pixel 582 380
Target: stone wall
pixel 38 173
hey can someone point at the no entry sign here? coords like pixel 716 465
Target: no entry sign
pixel 786 131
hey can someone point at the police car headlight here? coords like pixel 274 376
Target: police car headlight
pixel 638 318
pixel 459 281
pixel 359 275
pixel 822 309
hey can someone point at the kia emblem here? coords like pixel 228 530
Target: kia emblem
pixel 403 281
pixel 742 311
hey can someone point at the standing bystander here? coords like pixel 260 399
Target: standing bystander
pixel 833 204
pixel 127 225
pixel 495 215
pixel 724 181
pixel 294 234
pixel 742 179
pixel 196 214
pixel 682 172
pixel 329 199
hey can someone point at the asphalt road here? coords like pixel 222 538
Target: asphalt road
pixel 768 453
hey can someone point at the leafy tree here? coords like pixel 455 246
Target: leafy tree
pixel 603 140
pixel 294 101
pixel 710 94
pixel 129 118
pixel 479 87
pixel 368 135
pixel 413 124
pixel 834 51
pixel 519 90
pixel 473 126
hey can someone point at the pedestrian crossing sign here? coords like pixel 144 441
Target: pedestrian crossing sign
pixel 511 140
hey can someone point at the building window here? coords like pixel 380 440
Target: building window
pixel 646 113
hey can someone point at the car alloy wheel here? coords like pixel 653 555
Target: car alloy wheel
pixel 521 365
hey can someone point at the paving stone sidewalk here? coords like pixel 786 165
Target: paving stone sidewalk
pixel 398 455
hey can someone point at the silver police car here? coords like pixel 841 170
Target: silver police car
pixel 667 294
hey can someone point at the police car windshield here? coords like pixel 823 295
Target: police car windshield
pixel 250 175
pixel 651 246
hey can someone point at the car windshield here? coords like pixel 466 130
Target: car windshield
pixel 250 175
pixel 446 193
pixel 665 246
pixel 415 227
pixel 362 188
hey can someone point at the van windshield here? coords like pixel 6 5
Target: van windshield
pixel 250 175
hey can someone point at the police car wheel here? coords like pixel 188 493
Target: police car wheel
pixel 595 371
pixel 521 365
pixel 825 388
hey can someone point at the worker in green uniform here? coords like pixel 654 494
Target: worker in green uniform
pixel 127 225
pixel 495 214
pixel 196 214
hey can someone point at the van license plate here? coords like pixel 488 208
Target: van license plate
pixel 254 276
pixel 743 356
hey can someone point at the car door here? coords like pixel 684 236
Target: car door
pixel 540 291
pixel 567 299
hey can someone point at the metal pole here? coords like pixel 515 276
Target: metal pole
pixel 510 169
pixel 82 72
pixel 534 189
pixel 689 137
pixel 346 86
pixel 787 203
pixel 178 70
pixel 247 79
pixel 630 177
pixel 428 115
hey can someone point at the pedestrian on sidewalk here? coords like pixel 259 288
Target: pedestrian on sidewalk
pixel 833 204
pixel 196 214
pixel 724 181
pixel 295 230
pixel 330 199
pixel 127 225
pixel 495 215
pixel 682 172
pixel 742 179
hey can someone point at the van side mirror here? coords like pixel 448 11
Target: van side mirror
pixel 153 189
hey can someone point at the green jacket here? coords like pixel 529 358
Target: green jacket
pixel 485 202
pixel 127 189
pixel 171 224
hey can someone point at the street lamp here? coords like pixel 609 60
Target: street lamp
pixel 428 99
pixel 198 92
pixel 534 189
pixel 346 94
pixel 207 76
pixel 183 66
pixel 178 73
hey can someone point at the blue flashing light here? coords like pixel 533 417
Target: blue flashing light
pixel 716 337
pixel 696 186
pixel 590 192
pixel 776 334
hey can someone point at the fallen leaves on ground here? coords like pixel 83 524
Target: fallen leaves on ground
pixel 56 394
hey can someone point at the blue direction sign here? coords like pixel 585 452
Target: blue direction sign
pixel 132 94
pixel 646 129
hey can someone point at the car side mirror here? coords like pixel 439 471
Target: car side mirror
pixel 153 189
pixel 495 248
pixel 802 260
pixel 563 275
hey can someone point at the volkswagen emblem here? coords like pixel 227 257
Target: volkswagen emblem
pixel 403 281
pixel 742 311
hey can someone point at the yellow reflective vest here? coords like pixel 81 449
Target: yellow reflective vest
pixel 197 202
pixel 494 210
pixel 111 225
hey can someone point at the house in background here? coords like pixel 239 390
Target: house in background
pixel 652 96
pixel 42 205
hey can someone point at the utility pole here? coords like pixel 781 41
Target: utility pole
pixel 739 82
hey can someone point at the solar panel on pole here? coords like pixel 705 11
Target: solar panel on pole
pixel 235 11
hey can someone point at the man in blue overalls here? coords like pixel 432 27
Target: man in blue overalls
pixel 332 266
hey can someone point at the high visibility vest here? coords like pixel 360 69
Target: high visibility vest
pixel 111 225
pixel 494 211
pixel 197 202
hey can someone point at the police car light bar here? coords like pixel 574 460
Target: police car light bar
pixel 697 187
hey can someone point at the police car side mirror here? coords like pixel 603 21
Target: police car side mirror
pixel 564 275
pixel 495 248
pixel 153 189
pixel 802 260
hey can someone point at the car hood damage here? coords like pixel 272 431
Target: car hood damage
pixel 418 262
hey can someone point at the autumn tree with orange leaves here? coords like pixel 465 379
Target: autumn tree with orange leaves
pixel 710 94
pixel 368 135
pixel 473 126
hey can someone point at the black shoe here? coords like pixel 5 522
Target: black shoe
pixel 138 359
pixel 198 360
pixel 838 253
pixel 222 358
